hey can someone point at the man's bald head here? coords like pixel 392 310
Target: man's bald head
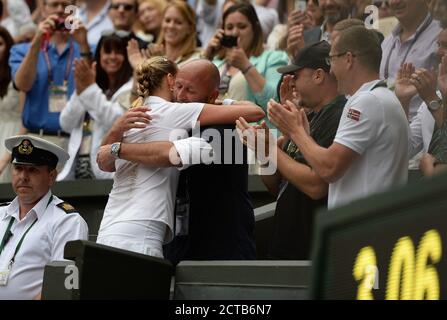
pixel 197 81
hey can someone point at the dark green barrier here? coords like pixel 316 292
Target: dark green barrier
pixel 389 246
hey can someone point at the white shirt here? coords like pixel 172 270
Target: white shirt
pixel 147 193
pixel 103 112
pixel 374 125
pixel 100 23
pixel 44 243
pixel 421 131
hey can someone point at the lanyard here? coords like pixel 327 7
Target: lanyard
pixel 8 235
pixel 416 37
pixel 67 69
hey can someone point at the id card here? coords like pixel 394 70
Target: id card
pixel 4 276
pixel 86 144
pixel 181 217
pixel 58 98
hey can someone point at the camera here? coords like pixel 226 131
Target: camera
pixel 229 41
pixel 60 25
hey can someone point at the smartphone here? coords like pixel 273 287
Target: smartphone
pixel 301 5
pixel 228 41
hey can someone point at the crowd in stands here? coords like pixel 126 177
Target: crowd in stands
pixel 351 94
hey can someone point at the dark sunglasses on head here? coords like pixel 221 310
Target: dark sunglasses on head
pixel 119 33
pixel 127 7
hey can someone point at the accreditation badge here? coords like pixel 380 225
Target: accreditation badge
pixel 182 217
pixel 58 98
pixel 4 276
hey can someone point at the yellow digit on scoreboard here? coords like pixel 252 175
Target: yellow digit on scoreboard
pixel 365 272
pixel 426 278
pixel 401 268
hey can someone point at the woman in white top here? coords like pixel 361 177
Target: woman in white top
pixel 140 210
pixel 95 106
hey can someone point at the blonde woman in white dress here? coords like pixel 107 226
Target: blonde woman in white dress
pixel 139 214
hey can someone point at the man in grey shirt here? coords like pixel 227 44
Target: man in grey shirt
pixel 413 40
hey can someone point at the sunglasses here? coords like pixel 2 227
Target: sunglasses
pixel 119 33
pixel 126 7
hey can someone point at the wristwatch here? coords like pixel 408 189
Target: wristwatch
pixel 435 105
pixel 115 150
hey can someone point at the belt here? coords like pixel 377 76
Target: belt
pixel 42 132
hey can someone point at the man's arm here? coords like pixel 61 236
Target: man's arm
pixel 330 164
pixel 154 154
pixel 159 153
pixel 302 176
pixel 26 73
pixel 272 182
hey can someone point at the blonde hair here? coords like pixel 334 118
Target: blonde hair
pixel 160 5
pixel 150 76
pixel 190 43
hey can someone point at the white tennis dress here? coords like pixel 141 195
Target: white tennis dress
pixel 139 214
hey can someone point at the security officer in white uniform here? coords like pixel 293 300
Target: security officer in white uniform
pixel 36 225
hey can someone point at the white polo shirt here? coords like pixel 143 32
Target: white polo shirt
pixel 374 125
pixel 142 193
pixel 421 131
pixel 44 243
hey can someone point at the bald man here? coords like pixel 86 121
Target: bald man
pixel 214 214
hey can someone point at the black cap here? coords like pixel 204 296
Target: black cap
pixel 313 56
pixel 27 150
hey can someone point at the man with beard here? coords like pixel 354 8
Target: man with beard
pixel 333 12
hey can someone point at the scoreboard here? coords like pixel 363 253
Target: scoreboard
pixel 389 246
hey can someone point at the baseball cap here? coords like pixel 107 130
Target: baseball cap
pixel 313 56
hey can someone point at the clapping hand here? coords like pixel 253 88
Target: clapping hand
pixel 288 118
pixel 297 17
pixel 256 136
pixel 404 87
pixel 295 40
pixel 287 90
pixel 426 83
pixel 84 74
pixel 135 55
